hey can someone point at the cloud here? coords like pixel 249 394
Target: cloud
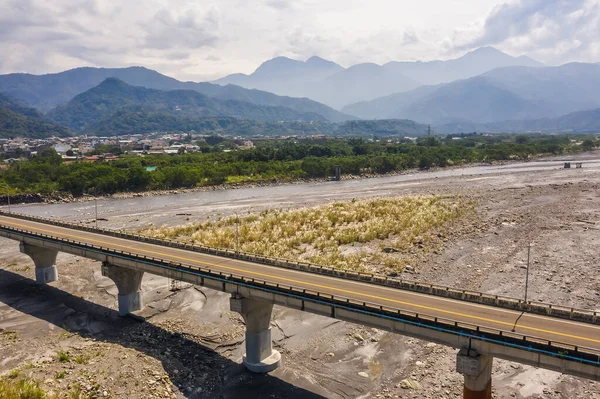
pixel 556 30
pixel 191 38
pixel 279 4
pixel 193 27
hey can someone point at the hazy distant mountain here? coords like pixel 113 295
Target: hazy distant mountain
pixel 112 95
pixel 394 104
pixel 335 86
pixel 564 89
pixel 360 82
pixel 284 75
pixel 510 93
pixel 19 120
pixel 469 65
pixel 232 92
pixel 48 91
pixel 576 122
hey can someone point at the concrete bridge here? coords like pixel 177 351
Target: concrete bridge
pixel 481 327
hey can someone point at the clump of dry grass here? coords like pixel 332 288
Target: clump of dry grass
pixel 348 234
pixel 22 389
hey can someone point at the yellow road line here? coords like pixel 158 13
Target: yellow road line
pixel 321 286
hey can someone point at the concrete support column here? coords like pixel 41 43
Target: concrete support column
pixel 44 260
pixel 260 356
pixel 477 369
pixel 129 283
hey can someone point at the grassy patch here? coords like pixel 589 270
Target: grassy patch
pixel 9 335
pixel 14 374
pixel 82 359
pixel 63 357
pixel 22 389
pixel 347 234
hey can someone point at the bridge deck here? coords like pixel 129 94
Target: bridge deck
pixel 543 327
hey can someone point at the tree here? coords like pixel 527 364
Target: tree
pixel 588 144
pixel 429 141
pixel 49 155
pixel 521 139
pixel 214 140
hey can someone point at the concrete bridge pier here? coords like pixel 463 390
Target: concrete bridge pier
pixel 44 260
pixel 260 356
pixel 477 369
pixel 129 283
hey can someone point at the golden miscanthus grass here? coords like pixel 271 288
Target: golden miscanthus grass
pixel 350 234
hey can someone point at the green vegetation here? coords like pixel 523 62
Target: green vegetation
pixel 113 95
pixel 277 160
pixel 22 389
pixel 63 357
pixel 136 119
pixel 14 124
pixel 349 235
pixel 17 119
pixel 82 359
pixel 14 373
pixel 25 388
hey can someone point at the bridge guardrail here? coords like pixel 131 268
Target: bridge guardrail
pixel 569 313
pixel 554 348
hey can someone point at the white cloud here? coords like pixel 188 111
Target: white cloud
pixel 555 31
pixel 191 39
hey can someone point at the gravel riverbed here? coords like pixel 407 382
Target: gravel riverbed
pixel 186 342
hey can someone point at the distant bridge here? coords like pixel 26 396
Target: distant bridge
pixel 480 326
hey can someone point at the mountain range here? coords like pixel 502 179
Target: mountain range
pixel 16 119
pixel 113 95
pixel 484 90
pixel 331 84
pixel 49 91
pixel 135 120
pixel 575 122
pixel 511 93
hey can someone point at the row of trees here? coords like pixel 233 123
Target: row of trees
pixel 273 160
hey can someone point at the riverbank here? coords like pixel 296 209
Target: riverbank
pixel 57 198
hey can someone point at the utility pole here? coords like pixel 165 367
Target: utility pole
pixel 96 205
pixel 527 275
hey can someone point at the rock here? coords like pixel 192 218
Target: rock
pixel 410 384
pixel 358 337
pixel 363 374
pixel 331 354
pixel 389 250
pixel 419 364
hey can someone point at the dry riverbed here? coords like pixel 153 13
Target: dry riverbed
pixel 186 342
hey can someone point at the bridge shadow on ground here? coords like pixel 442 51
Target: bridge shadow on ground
pixel 189 364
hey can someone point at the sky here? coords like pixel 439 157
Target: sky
pixel 206 39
